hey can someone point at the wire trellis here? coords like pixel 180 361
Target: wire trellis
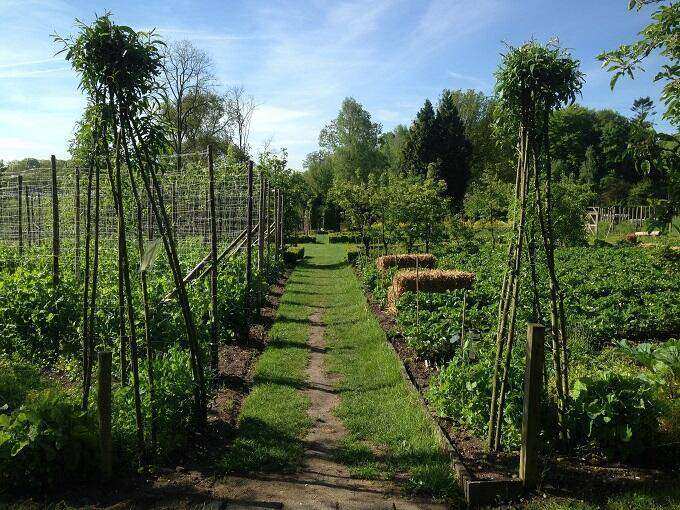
pixel 26 202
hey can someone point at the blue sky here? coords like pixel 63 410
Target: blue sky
pixel 300 59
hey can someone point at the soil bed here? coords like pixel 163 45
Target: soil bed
pixel 589 476
pixel 186 481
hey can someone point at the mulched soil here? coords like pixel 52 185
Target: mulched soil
pixel 588 476
pixel 182 482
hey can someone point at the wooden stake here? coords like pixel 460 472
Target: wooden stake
pixel 213 257
pixel 261 229
pixel 249 236
pixel 533 378
pixel 462 320
pixel 76 263
pixel 104 411
pixel 55 224
pixel 276 224
pixel 281 243
pixel 20 186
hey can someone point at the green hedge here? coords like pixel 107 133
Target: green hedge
pixel 343 237
pixel 294 254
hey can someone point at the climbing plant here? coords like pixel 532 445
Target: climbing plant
pixel 532 80
pixel 119 70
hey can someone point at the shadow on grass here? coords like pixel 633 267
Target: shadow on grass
pixel 261 447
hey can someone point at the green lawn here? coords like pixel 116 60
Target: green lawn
pixel 390 434
pixel 273 421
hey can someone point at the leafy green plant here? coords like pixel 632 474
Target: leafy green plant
pixel 37 320
pixel 49 440
pixel 619 412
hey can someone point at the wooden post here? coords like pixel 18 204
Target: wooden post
pixel 260 230
pixel 276 224
pixel 29 227
pixel 213 270
pixel 462 320
pixel 55 223
pixel 173 198
pixel 266 221
pixel 76 262
pixel 149 220
pixel 533 379
pixel 282 244
pixel 104 410
pixel 20 188
pixel 249 236
pixel 269 219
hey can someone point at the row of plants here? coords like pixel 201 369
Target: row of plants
pixel 46 438
pixel 611 294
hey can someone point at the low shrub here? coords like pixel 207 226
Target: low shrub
pixel 293 255
pixel 300 238
pixel 353 252
pixel 343 237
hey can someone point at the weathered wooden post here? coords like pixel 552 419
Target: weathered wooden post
pixel 260 219
pixel 533 379
pixel 277 219
pixel 270 190
pixel 281 222
pixel 249 237
pixel 104 410
pixel 29 229
pixel 76 262
pixel 213 269
pixel 20 188
pixel 55 223
pixel 266 221
pixel 173 199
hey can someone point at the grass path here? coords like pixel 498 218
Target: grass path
pixel 329 420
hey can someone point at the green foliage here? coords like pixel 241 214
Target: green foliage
pixel 660 35
pixel 352 141
pixel 661 361
pixel 175 419
pixel 37 320
pixel 17 380
pixel 619 412
pixel 462 390
pixel 46 442
pixel 294 254
pixel 570 203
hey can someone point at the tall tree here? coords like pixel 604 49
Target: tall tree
pixel 240 107
pixel 352 140
pixel 188 80
pixel 420 149
pixel 453 148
